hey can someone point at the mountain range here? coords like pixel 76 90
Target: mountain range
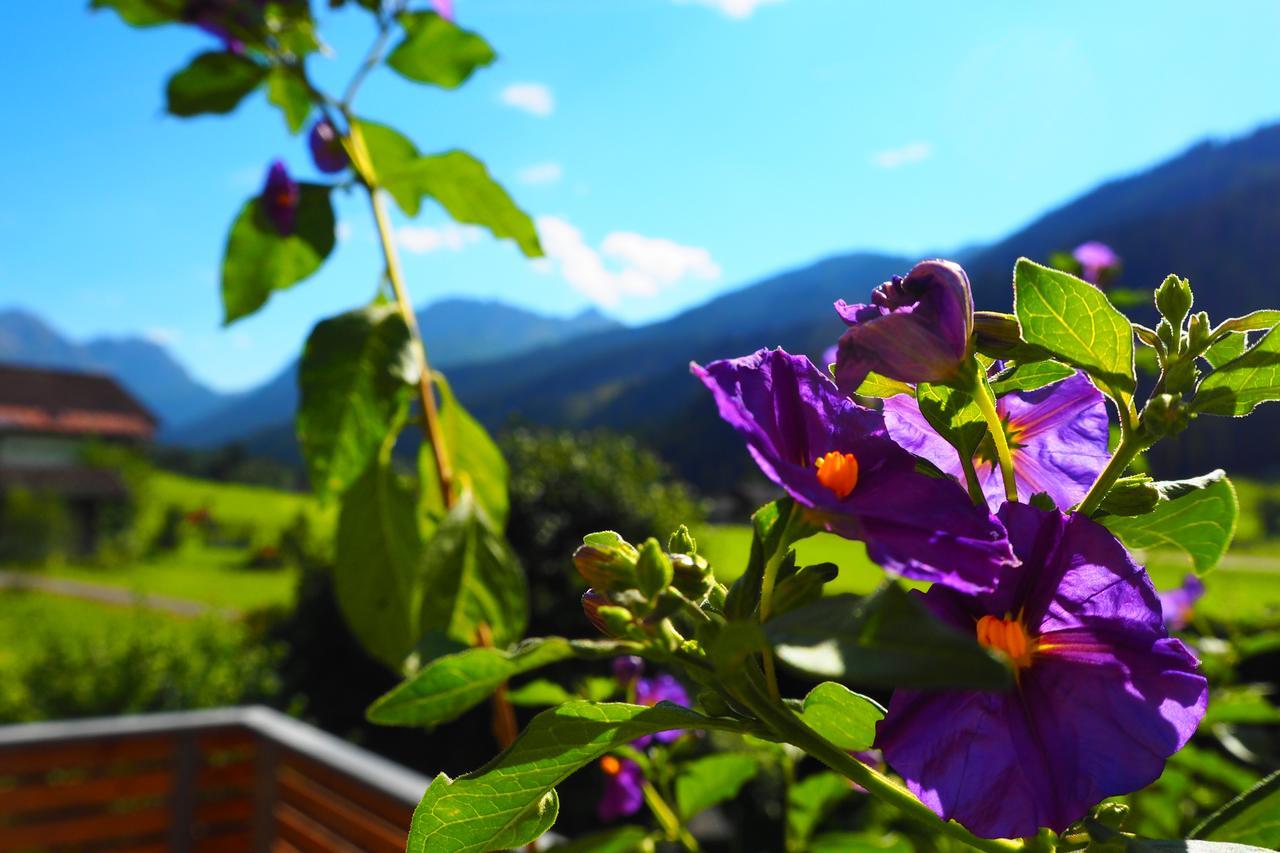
pixel 1210 213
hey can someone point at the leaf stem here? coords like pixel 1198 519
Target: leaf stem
pixel 971 481
pixel 667 819
pixel 768 581
pixel 792 729
pixel 985 398
pixel 1128 448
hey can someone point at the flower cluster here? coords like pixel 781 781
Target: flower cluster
pixel 1103 695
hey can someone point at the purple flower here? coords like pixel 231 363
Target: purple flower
pixel 1178 605
pixel 1095 259
pixel 1103 695
pixel 326 147
pixel 661 688
pixel 1057 435
pixel 444 8
pixel 916 329
pixel 835 458
pixel 623 788
pixel 627 669
pixel 280 198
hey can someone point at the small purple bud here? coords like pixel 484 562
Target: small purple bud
pixel 280 198
pixel 326 147
pixel 627 669
pixel 592 601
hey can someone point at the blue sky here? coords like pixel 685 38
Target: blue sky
pixel 671 150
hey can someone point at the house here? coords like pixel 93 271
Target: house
pixel 47 417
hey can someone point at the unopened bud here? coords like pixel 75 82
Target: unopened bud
pixel 1198 332
pixel 1174 300
pixel 691 575
pixel 998 335
pixel 1111 815
pixel 592 601
pixel 1164 415
pixel 653 568
pixel 1168 336
pixel 606 561
pixel 682 542
pixel 1136 495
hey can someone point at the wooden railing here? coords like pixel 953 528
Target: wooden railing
pixel 235 779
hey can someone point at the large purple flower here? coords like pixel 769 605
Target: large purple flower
pixel 1103 694
pixel 280 197
pixel 1057 435
pixel 660 688
pixel 836 458
pixel 916 329
pixel 623 788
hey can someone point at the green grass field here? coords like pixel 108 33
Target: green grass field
pixel 266 511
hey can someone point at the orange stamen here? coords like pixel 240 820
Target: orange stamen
pixel 1007 636
pixel 838 472
pixel 610 765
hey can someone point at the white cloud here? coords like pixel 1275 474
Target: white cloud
pixel 732 8
pixel 912 152
pixel 164 336
pixel 626 265
pixel 534 98
pixel 422 240
pixel 541 173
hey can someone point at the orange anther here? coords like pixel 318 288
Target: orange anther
pixel 838 472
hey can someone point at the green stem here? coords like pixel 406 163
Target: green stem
pixel 667 819
pixel 792 729
pixel 768 581
pixel 986 400
pixel 971 481
pixel 1128 448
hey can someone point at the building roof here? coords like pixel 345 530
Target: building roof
pixel 36 400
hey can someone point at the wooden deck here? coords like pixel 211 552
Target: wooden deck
pixel 236 779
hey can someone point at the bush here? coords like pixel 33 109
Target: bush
pixel 34 527
pixel 154 664
pixel 565 485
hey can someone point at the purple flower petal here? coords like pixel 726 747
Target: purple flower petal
pixel 916 329
pixel 326 147
pixel 623 789
pixel 280 197
pixel 661 688
pixel 1178 604
pixel 1095 259
pixel 791 415
pixel 1104 700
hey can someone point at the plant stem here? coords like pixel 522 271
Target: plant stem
pixel 769 580
pixel 667 818
pixel 986 400
pixel 1128 448
pixel 792 729
pixel 971 481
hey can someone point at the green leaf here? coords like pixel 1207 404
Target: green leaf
pixel 449 686
pixel 954 415
pixel 1075 322
pixel 886 638
pixel 437 51
pixel 1230 346
pixel 1251 818
pixel 1256 321
pixel 809 801
pixel 711 780
pixel 1242 384
pixel 624 839
pixel 214 82
pixel 1197 516
pixel 477 462
pixel 287 91
pixel 378 552
pixel 495 808
pixel 863 842
pixel 142 13
pixel 1029 377
pixel 353 380
pixel 472 578
pixel 843 717
pixel 767 524
pixel 258 260
pixel 392 155
pixel 538 693
pixel 1241 705
pixel 882 387
pixel 468 193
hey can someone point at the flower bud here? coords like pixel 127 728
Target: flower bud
pixel 692 576
pixel 1136 495
pixel 279 199
pixel 1174 300
pixel 1111 815
pixel 326 147
pixel 1198 332
pixel 682 542
pixel 916 329
pixel 592 601
pixel 653 568
pixel 606 561
pixel 1164 415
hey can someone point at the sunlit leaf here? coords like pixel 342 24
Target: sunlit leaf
pixel 538 693
pixel 843 717
pixel 1251 818
pixel 1197 516
pixel 142 13
pixel 437 51
pixel 469 194
pixel 290 95
pixel 214 82
pixel 882 387
pixel 1230 347
pixel 474 456
pixel 1029 377
pixel 1242 384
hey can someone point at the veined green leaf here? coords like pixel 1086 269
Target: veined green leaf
pixel 886 638
pixel 843 717
pixel 1242 384
pixel 539 693
pixel 954 415
pixel 437 51
pixel 258 260
pixel 809 801
pixel 290 95
pixel 393 155
pixel 882 387
pixel 448 686
pixel 1029 377
pixel 354 379
pixel 1075 322
pixel 468 193
pixel 1197 516
pixel 1251 818
pixel 474 456
pixel 1256 321
pixel 1230 346
pixel 496 807
pixel 214 82
pixel 378 556
pixel 711 780
pixel 472 578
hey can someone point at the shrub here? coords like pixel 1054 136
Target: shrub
pixel 34 527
